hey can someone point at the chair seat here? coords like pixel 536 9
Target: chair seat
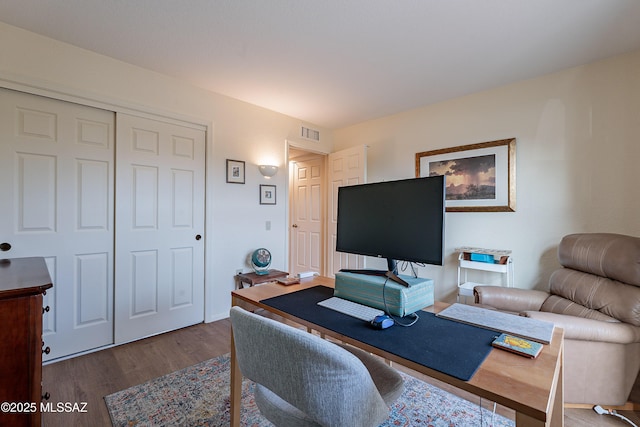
pixel 388 381
pixel 279 411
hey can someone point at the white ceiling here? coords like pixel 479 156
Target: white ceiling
pixel 334 63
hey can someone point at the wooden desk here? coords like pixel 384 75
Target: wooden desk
pixel 255 279
pixel 533 388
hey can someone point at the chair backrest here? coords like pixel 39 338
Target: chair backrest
pixel 601 274
pixel 324 381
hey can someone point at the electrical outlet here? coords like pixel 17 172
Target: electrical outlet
pixel 238 271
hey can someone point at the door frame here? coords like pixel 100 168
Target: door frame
pixel 289 179
pixel 307 156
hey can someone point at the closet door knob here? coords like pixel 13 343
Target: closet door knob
pixel 198 237
pixel 5 246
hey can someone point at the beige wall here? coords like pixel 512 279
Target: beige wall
pixel 237 130
pixel 577 135
pixel 578 154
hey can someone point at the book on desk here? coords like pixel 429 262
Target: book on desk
pixel 517 345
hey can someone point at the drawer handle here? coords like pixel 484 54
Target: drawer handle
pixel 46 396
pixel 45 309
pixel 47 350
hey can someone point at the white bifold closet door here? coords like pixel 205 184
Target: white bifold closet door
pixel 57 201
pixel 118 216
pixel 159 280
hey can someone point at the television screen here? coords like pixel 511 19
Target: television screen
pixel 397 220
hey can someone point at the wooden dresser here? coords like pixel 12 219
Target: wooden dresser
pixel 23 281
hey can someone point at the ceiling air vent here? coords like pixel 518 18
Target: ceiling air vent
pixel 311 134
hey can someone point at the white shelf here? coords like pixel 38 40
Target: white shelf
pixel 465 287
pixel 494 252
pixel 485 266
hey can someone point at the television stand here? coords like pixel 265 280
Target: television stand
pixel 382 273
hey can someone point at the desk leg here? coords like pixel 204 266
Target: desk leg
pixel 556 418
pixel 236 386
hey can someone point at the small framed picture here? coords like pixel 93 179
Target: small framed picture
pixel 235 171
pixel 267 194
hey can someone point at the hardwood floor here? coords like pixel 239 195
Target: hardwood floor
pixel 90 377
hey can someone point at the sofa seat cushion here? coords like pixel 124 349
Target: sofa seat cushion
pixel 597 296
pixel 559 305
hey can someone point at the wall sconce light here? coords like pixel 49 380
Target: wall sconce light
pixel 268 170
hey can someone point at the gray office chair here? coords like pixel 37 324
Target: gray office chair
pixel 304 380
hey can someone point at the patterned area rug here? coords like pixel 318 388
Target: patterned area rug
pixel 199 396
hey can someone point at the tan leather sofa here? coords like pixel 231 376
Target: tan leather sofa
pixel 595 298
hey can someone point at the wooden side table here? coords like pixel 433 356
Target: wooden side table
pixel 255 279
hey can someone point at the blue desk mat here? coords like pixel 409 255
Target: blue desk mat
pixel 450 347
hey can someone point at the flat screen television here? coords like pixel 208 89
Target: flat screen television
pixel 398 220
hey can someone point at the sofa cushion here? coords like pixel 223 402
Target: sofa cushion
pixel 608 255
pixel 585 293
pixel 559 305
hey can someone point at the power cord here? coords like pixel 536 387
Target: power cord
pixel 406 264
pixel 386 309
pixel 601 411
pixel 493 414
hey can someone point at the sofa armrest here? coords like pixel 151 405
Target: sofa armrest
pixel 579 328
pixel 509 299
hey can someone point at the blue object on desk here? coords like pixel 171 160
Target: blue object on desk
pixel 382 322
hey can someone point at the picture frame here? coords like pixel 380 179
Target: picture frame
pixel 235 171
pixel 479 177
pixel 267 194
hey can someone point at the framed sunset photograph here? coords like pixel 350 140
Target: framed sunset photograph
pixel 479 177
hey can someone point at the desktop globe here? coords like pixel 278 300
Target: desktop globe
pixel 261 261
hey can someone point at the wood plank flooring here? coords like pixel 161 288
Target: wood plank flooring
pixel 90 377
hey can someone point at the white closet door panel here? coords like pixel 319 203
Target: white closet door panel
pixel 93 195
pixel 182 192
pixel 160 224
pixel 144 197
pixel 144 283
pixel 35 195
pixel 57 170
pixel 182 285
pixel 93 289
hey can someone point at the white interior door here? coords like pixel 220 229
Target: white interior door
pixel 307 244
pixel 159 280
pixel 57 192
pixel 346 167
